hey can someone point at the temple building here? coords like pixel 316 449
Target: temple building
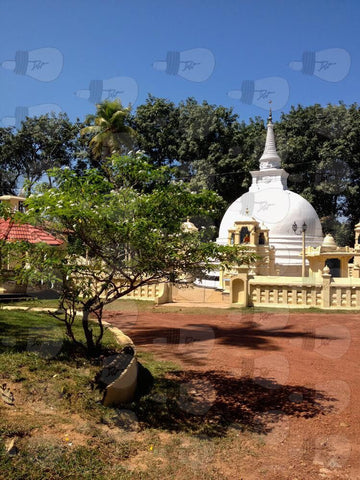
pixel 275 208
pixel 296 266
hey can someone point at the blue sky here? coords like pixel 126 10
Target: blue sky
pixel 115 43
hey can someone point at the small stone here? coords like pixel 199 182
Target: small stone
pixel 343 424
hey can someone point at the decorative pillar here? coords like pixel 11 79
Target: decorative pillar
pixel 326 296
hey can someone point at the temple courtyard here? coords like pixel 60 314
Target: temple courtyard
pixel 283 386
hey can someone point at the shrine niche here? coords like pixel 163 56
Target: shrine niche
pixel 247 232
pixel 244 235
pixel 329 255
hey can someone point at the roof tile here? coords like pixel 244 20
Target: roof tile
pixel 15 232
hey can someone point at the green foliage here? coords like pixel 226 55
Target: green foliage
pixel 109 132
pixel 205 143
pixel 210 148
pixel 8 168
pixel 319 147
pixel 156 124
pixel 124 233
pixel 41 143
pixel 341 231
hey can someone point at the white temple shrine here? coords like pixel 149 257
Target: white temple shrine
pixel 276 208
pixel 297 266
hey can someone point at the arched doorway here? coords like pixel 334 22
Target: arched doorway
pixel 238 291
pixel 335 266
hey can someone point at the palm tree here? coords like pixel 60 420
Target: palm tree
pixel 110 134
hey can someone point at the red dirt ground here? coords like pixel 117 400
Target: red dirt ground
pixel 294 375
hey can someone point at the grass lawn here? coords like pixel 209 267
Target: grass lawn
pixel 61 430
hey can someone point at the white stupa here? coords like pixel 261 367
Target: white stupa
pixel 271 203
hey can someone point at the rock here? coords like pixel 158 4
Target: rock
pixel 114 366
pixel 119 377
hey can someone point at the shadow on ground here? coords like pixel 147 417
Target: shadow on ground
pixel 192 343
pixel 208 403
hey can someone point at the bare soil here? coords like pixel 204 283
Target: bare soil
pixel 291 379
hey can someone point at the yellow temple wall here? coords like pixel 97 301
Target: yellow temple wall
pixel 296 292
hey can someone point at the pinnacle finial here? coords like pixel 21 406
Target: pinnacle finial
pixel 270 157
pixel 270 113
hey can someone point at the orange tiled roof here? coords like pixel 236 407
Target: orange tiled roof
pixel 15 232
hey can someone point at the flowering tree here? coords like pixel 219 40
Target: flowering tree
pixel 123 231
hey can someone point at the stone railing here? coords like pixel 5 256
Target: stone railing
pixel 284 292
pixel 344 293
pixel 296 292
pixel 157 292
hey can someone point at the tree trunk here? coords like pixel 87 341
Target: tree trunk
pixel 88 333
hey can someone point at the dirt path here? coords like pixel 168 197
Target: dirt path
pixel 296 375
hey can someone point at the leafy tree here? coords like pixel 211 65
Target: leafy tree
pixel 319 147
pixel 40 144
pixel 8 169
pixel 220 152
pixel 210 148
pixel 125 233
pixel 109 131
pixel 207 146
pixel 156 124
pixel 206 143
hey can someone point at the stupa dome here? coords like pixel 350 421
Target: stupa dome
pixel 277 209
pixel 272 204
